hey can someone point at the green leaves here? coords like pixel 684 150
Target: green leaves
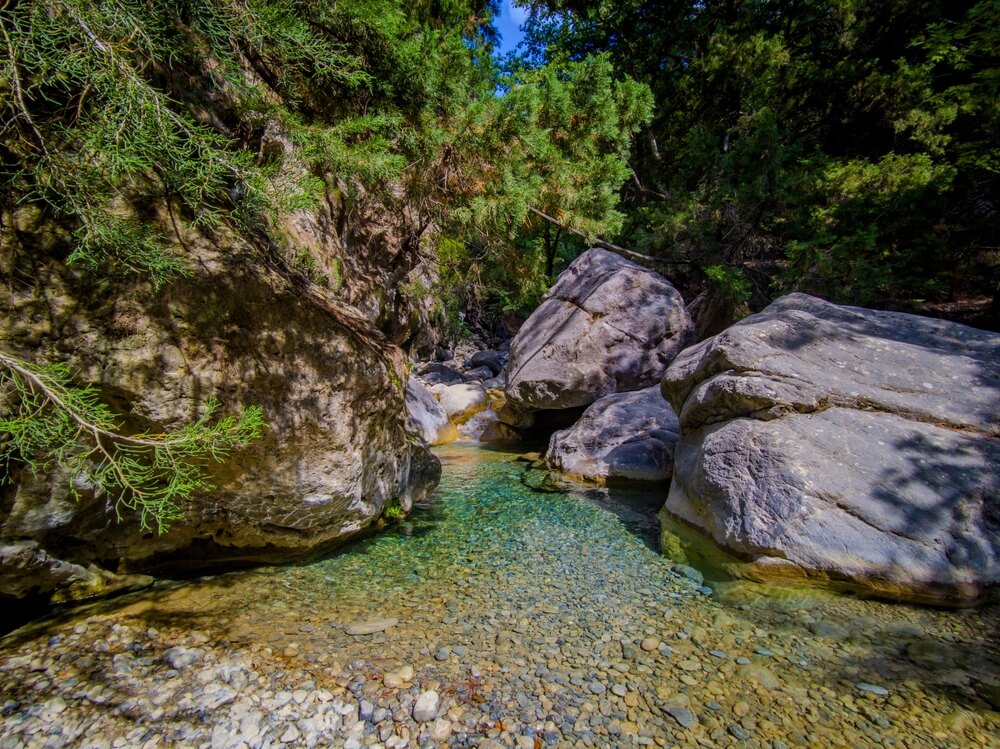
pixel 841 148
pixel 50 422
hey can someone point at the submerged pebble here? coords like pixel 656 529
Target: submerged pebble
pixel 496 616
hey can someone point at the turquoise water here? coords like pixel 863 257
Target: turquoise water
pixel 550 618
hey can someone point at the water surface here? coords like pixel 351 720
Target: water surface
pixel 540 618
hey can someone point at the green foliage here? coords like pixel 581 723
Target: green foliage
pixel 48 421
pixel 730 284
pixel 235 113
pixel 858 239
pixel 842 148
pixel 393 513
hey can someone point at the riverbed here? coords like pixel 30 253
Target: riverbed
pixel 496 615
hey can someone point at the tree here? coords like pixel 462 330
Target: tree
pixel 827 146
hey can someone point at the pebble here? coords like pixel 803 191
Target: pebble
pixel 864 686
pixel 370 627
pixel 441 730
pixel 681 714
pixel 739 732
pixel 179 657
pixel 649 644
pixel 425 709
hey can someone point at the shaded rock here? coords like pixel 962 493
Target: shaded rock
pixel 515 417
pixel 495 383
pixel 497 432
pixel 621 436
pixel 685 570
pixel 845 443
pixel 336 450
pixel 606 326
pixel 436 373
pixel 25 567
pixel 426 416
pixel 481 374
pixel 493 360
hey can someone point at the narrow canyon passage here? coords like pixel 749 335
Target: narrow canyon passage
pixel 535 619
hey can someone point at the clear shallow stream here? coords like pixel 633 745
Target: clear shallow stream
pixel 539 619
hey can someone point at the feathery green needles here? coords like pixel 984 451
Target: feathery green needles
pixel 54 423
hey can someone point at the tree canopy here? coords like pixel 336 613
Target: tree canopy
pixel 847 149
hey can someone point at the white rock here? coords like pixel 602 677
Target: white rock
pixel 425 709
pixel 461 402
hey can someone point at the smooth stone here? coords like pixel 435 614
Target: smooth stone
pixel 875 689
pixel 650 644
pixel 425 709
pixel 620 436
pixel 370 627
pixel 739 732
pixel 844 443
pixel 606 326
pixel 682 715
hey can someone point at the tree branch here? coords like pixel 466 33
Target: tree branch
pixel 598 242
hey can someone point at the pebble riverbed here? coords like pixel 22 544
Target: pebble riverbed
pixel 496 616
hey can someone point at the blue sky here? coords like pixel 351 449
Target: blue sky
pixel 508 24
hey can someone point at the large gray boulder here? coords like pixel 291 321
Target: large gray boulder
pixel 426 416
pixel 847 444
pixel 606 326
pixel 621 436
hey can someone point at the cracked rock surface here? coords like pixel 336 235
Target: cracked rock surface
pixel 845 443
pixel 606 326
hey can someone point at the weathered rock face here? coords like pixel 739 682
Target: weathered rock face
pixel 426 416
pixel 621 436
pixel 606 326
pixel 845 443
pixel 336 453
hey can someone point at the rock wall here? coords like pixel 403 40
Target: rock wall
pixel 244 327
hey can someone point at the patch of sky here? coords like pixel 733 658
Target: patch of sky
pixel 509 24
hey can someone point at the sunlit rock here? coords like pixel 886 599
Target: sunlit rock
pixel 606 326
pixel 847 444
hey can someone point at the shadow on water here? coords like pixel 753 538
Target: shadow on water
pixel 635 506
